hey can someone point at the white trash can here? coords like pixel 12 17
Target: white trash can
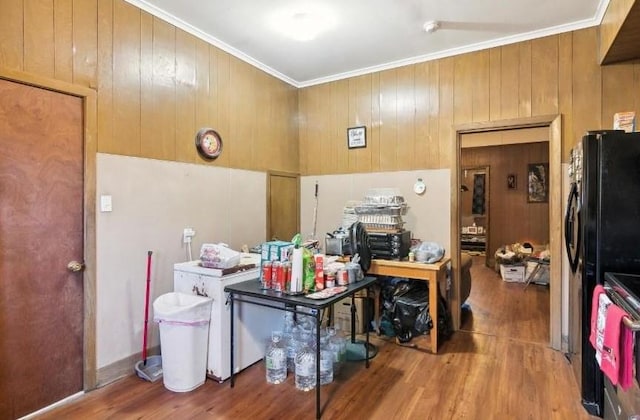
pixel 184 337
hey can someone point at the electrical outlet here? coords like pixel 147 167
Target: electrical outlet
pixel 187 234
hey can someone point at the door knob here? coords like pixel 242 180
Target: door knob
pixel 75 266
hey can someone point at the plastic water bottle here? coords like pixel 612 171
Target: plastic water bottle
pixel 326 361
pixel 305 375
pixel 276 360
pixel 293 340
pixel 338 346
pixel 288 334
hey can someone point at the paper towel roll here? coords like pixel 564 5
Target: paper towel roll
pixel 296 271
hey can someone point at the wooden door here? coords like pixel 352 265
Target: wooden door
pixel 283 206
pixel 41 231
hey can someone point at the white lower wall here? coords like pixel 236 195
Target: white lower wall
pixel 153 201
pixel 428 217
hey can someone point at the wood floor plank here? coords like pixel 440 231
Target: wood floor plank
pixel 498 367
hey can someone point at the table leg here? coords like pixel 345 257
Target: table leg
pixel 231 338
pixel 376 306
pixel 365 311
pixel 318 322
pixel 433 311
pixel 353 318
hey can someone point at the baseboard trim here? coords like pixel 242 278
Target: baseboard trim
pixel 122 368
pixel 60 403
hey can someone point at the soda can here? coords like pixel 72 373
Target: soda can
pixel 331 281
pixel 265 279
pixel 276 266
pixel 342 278
pixel 278 285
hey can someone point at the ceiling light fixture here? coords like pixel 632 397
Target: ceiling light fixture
pixel 431 26
pixel 302 23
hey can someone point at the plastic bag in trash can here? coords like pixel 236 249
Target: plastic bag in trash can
pixel 182 308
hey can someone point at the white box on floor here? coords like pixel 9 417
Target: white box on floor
pixel 342 315
pixel 512 273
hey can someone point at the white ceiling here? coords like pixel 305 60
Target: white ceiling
pixel 370 35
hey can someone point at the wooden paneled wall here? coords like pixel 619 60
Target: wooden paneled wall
pixel 157 85
pixel 410 112
pixel 511 218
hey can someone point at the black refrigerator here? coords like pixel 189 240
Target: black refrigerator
pixel 602 233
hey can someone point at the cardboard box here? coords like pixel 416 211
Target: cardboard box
pixel 342 315
pixel 512 273
pixel 276 250
pixel 537 273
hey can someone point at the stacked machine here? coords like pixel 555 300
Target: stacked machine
pixel 381 213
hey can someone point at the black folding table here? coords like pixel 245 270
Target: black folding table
pixel 241 292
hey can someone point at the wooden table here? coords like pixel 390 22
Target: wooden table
pixel 433 274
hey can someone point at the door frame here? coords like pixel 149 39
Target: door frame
pixel 89 101
pixel 554 124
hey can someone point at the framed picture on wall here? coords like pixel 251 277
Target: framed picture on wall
pixel 512 181
pixel 357 137
pixel 538 183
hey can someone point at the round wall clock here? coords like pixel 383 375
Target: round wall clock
pixel 208 143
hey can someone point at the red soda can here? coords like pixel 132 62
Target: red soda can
pixel 265 279
pixel 276 265
pixel 279 283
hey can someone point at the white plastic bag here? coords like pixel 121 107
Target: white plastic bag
pixel 428 252
pixel 218 256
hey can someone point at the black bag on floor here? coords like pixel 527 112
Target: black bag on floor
pixel 410 314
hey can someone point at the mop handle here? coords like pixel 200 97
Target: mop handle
pixel 315 213
pixel 146 308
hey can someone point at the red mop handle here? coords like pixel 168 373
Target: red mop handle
pixel 146 308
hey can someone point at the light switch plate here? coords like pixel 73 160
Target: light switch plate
pixel 105 203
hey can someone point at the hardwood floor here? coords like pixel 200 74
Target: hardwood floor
pixel 498 367
pixel 504 309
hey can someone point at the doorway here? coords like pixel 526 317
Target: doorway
pixel 553 125
pixel 283 205
pixel 47 315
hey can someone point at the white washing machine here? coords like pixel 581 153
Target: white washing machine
pixel 252 325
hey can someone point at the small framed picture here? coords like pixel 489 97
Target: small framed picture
pixel 473 230
pixel 357 137
pixel 512 181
